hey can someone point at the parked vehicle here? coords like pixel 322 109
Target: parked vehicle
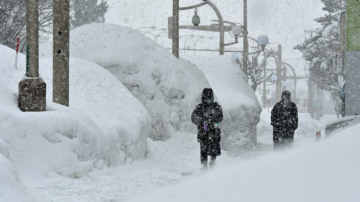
pixel 341 124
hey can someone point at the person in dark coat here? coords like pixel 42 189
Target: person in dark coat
pixel 284 119
pixel 207 116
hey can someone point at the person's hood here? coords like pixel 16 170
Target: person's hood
pixel 207 94
pixel 287 94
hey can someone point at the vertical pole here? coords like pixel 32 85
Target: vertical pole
pixel 264 87
pixel 246 43
pixel 175 29
pixel 278 73
pixel 222 27
pixel 17 52
pixel 32 37
pixel 61 40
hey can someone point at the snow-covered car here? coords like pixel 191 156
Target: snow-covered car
pixel 340 124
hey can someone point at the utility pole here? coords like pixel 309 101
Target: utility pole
pixel 32 89
pixel 246 43
pixel 175 28
pixel 278 73
pixel 61 35
pixel 264 87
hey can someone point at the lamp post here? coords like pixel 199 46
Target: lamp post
pixel 245 43
pixel 174 26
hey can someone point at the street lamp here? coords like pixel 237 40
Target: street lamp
pixel 236 31
pixel 263 40
pixel 196 19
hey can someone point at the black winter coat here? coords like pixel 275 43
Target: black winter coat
pixel 208 115
pixel 284 119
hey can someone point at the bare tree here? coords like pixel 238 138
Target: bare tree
pixel 13 21
pixel 87 11
pixel 256 71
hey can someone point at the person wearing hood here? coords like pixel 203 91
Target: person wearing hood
pixel 207 116
pixel 284 119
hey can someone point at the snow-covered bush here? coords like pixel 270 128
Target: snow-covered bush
pixel 169 88
pixel 103 126
pixel 240 106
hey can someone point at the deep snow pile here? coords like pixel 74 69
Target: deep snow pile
pixel 240 106
pixel 168 88
pixel 103 126
pixel 322 171
pixel 11 187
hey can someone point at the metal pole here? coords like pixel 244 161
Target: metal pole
pixel 61 35
pixel 175 29
pixel 221 24
pixel 246 43
pixel 264 87
pixel 278 73
pixel 17 52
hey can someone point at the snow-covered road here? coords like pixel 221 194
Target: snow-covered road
pixel 167 163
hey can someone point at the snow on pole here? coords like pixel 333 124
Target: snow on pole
pixel 17 52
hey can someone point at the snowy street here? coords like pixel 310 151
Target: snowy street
pixel 167 163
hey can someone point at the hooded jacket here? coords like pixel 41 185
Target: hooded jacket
pixel 206 115
pixel 284 117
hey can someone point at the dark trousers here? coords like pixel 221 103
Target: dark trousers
pixel 209 149
pixel 283 143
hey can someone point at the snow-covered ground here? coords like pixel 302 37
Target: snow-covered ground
pixel 320 171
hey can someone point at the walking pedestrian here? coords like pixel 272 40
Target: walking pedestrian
pixel 207 116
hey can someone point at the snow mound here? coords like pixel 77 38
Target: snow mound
pixel 168 88
pixel 103 126
pixel 240 106
pixel 322 171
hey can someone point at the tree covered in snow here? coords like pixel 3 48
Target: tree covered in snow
pixel 88 11
pixel 318 52
pixel 13 21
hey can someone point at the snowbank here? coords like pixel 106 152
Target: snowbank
pixel 323 171
pixel 240 106
pixel 11 188
pixel 103 126
pixel 168 88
